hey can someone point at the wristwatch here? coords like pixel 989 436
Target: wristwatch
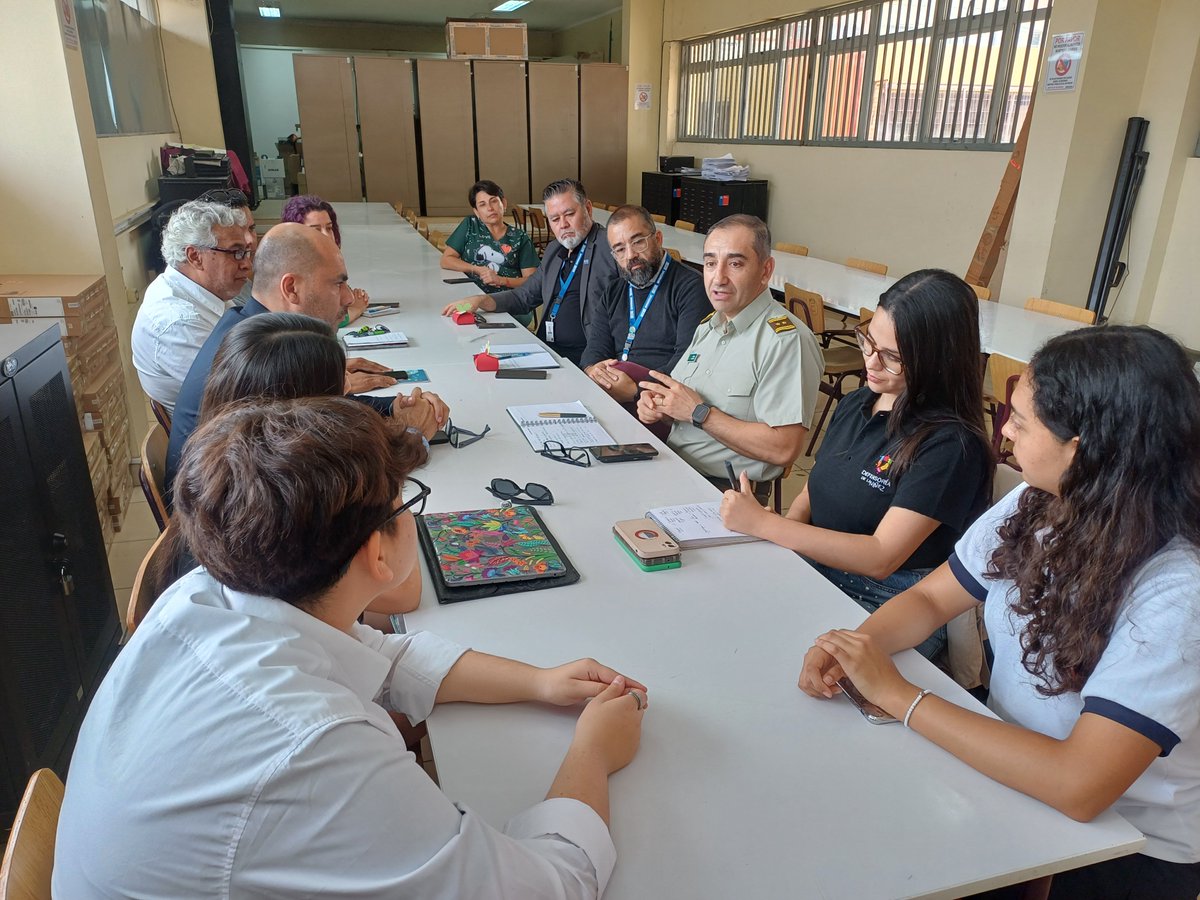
pixel 700 414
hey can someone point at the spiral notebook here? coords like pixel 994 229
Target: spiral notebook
pixel 579 429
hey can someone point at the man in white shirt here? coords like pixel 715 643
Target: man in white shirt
pixel 209 254
pixel 240 745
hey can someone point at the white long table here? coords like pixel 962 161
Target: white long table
pixel 744 786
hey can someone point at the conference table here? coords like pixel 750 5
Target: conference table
pixel 1008 330
pixel 743 785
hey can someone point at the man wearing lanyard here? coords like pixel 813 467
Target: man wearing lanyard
pixel 652 311
pixel 573 280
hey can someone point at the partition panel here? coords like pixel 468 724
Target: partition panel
pixel 603 125
pixel 553 123
pixel 447 134
pixel 325 97
pixel 389 136
pixel 502 127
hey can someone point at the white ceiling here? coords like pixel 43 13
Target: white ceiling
pixel 540 15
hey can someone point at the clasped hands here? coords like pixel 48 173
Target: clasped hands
pixel 666 398
pixel 610 724
pixel 617 383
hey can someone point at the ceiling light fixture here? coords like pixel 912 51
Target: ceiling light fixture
pixel 269 12
pixel 510 5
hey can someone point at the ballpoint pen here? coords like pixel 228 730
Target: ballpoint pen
pixel 511 355
pixel 733 479
pixel 562 415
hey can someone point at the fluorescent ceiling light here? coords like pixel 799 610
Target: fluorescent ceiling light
pixel 269 12
pixel 509 5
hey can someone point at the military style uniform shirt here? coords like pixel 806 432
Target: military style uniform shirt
pixel 763 366
pixel 852 484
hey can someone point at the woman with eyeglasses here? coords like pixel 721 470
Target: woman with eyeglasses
pixel 905 464
pixel 1087 575
pixel 242 740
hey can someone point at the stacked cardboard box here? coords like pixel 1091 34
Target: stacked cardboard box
pixel 79 305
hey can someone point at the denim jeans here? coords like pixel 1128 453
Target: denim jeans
pixel 870 594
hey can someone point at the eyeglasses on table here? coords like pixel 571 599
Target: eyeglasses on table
pixel 572 456
pixel 507 489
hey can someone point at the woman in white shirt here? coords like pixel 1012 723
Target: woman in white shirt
pixel 1088 574
pixel 240 746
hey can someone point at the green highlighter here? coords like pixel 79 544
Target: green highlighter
pixel 648 546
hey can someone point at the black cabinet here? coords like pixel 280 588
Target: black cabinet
pixel 660 194
pixel 704 202
pixel 58 618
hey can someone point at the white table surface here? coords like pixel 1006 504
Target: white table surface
pixel 743 786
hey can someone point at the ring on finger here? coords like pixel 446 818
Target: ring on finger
pixel 637 698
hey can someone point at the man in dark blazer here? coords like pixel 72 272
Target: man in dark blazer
pixel 573 281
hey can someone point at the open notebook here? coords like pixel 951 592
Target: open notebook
pixel 580 430
pixel 694 525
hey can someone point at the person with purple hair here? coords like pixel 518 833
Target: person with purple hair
pixel 311 210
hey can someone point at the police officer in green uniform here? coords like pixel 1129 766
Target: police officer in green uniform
pixel 745 389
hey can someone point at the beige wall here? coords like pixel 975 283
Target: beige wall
pixel 1175 308
pixel 131 170
pixel 193 83
pixel 253 30
pixel 648 63
pixel 589 41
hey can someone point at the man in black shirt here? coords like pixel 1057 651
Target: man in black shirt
pixel 651 312
pixel 573 280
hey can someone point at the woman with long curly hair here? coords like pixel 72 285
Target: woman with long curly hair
pixel 905 465
pixel 1090 578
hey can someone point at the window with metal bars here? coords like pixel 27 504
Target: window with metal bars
pixel 875 73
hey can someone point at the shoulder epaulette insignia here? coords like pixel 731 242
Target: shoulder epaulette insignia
pixel 780 324
pixel 709 316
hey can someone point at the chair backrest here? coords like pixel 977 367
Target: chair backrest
pixel 798 249
pixel 29 856
pixel 1062 310
pixel 675 254
pixel 411 216
pixel 658 217
pixel 519 215
pixel 145 583
pixel 161 414
pixel 423 230
pixel 1003 373
pixel 981 293
pixel 864 314
pixel 152 474
pixel 866 265
pixel 684 225
pixel 539 230
pixel 809 305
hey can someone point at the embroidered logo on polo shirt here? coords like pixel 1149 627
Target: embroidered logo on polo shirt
pixel 781 324
pixel 878 480
pixel 883 464
pixel 692 357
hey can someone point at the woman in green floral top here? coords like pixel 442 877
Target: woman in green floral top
pixel 494 255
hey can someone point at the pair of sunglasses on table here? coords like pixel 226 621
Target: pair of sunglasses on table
pixel 509 491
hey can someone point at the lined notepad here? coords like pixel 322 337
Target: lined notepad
pixel 581 432
pixel 374 341
pixel 697 525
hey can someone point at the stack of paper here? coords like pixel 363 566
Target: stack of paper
pixel 724 168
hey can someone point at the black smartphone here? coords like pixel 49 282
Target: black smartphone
pixel 491 325
pixel 622 452
pixel 457 280
pixel 521 373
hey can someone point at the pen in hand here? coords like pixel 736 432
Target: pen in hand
pixel 733 479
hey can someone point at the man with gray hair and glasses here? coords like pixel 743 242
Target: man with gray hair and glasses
pixel 209 258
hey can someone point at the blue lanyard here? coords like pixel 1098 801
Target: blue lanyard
pixel 564 286
pixel 636 322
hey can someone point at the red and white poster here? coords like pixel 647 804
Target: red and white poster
pixel 1062 62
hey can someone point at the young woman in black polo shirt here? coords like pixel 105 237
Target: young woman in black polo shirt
pixel 905 465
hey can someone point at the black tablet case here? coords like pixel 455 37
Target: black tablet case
pixel 447 594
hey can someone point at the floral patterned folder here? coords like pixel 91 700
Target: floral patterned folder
pixel 484 546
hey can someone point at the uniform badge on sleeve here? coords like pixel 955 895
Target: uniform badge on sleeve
pixel 692 357
pixel 780 324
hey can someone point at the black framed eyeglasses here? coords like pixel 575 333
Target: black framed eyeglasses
pixel 572 456
pixel 238 253
pixel 415 503
pixel 891 361
pixel 461 437
pixel 507 489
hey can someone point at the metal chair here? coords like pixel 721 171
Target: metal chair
pixel 29 856
pixel 152 474
pixel 839 362
pixel 539 229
